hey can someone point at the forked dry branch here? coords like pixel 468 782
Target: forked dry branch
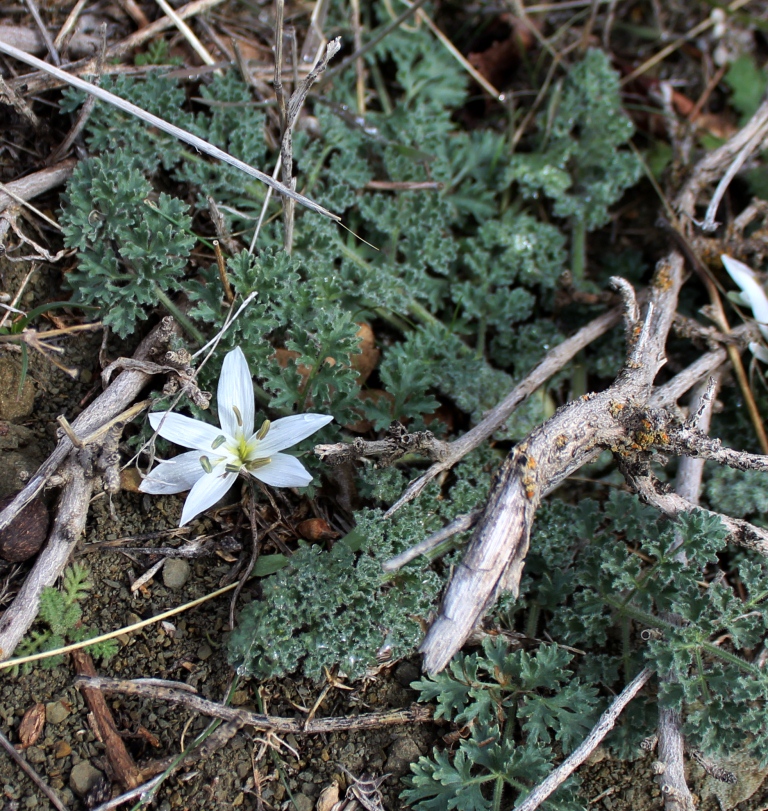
pixel 628 420
pixel 80 470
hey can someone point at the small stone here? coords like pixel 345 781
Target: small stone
pixel 240 697
pixel 83 778
pixel 405 673
pixel 176 573
pixel 24 536
pixel 402 753
pixel 14 405
pixel 35 754
pixel 303 803
pixel 63 749
pixel 204 652
pixel 56 712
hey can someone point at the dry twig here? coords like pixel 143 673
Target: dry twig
pixel 84 469
pixel 624 419
pixel 575 759
pixel 193 702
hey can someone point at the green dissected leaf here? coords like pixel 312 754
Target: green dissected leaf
pixel 747 81
pixel 578 162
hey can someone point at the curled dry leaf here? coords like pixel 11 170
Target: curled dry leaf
pixel 364 362
pixel 316 529
pixel 31 726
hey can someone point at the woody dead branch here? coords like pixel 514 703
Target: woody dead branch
pixel 626 419
pixel 82 468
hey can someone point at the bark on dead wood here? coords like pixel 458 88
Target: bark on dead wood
pixel 573 436
pixel 82 472
pixel 624 419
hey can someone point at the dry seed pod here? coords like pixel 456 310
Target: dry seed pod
pixel 316 529
pixel 31 725
pixel 24 536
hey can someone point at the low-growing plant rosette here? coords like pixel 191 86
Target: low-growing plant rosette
pixel 220 455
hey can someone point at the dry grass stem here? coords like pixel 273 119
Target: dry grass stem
pixel 170 129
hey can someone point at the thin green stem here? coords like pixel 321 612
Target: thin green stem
pixel 652 621
pixel 180 316
pixel 578 248
pixel 498 793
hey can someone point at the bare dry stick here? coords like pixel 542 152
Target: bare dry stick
pixel 674 789
pixel 620 419
pixel 680 41
pixel 710 167
pixel 21 762
pixel 37 183
pixel 575 434
pixel 193 702
pixel 176 132
pixel 127 629
pixel 187 33
pixel 123 765
pixel 553 361
pixel 292 110
pixel 73 505
pixel 35 83
pixel 69 525
pixel 573 761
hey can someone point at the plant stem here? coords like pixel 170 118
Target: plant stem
pixel 180 316
pixel 578 248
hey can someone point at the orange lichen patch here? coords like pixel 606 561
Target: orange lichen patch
pixel 615 408
pixel 663 280
pixel 531 464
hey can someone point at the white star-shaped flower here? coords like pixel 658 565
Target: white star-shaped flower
pixel 221 455
pixel 753 296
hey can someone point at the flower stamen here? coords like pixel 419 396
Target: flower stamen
pixel 264 430
pixel 205 464
pixel 257 463
pixel 238 416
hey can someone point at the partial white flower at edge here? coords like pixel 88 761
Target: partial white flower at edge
pixel 752 296
pixel 221 455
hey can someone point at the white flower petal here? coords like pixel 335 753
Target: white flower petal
pixel 174 476
pixel 210 487
pixel 759 351
pixel 289 431
pixel 753 291
pixel 183 430
pixel 236 391
pixel 283 471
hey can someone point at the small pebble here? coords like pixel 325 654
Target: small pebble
pixel 405 673
pixel 402 753
pixel 176 573
pixel 35 754
pixel 83 778
pixel 56 712
pixel 303 803
pixel 63 749
pixel 204 652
